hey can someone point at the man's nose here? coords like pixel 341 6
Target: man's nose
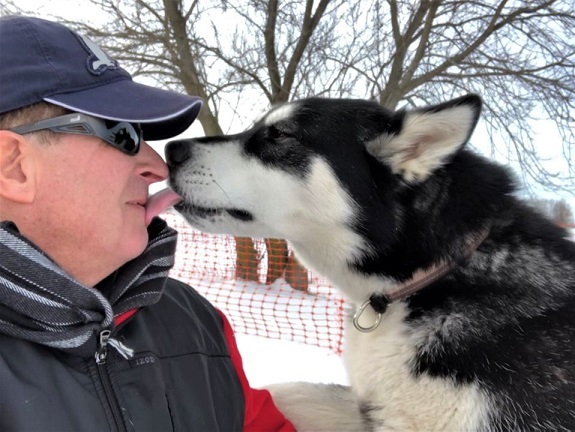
pixel 150 164
pixel 177 152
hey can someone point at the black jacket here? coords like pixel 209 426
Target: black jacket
pixel 180 378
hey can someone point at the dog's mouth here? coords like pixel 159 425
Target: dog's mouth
pixel 206 212
pixel 242 215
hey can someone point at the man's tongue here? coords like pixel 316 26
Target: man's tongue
pixel 160 202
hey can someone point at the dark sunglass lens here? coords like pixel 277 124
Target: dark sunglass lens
pixel 126 138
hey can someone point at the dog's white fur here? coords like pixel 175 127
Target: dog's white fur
pixel 408 403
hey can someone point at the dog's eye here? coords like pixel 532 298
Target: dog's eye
pixel 276 133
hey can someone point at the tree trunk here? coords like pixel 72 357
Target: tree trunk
pixel 246 259
pixel 277 259
pixel 296 275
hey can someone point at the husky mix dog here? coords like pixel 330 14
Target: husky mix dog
pixel 464 296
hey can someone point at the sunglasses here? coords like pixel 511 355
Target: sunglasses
pixel 124 136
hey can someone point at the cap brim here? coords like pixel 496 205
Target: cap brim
pixel 162 113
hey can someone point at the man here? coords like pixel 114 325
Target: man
pixel 93 334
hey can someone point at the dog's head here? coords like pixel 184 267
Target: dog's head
pixel 316 167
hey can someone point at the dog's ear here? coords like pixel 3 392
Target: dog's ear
pixel 427 137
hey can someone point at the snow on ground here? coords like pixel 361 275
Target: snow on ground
pixel 268 361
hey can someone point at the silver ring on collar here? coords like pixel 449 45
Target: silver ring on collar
pixel 358 313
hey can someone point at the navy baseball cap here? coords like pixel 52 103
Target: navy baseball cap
pixel 43 60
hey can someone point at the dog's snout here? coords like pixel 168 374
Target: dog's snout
pixel 177 152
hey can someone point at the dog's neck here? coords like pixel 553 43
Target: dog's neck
pixel 359 287
pixel 420 280
pixel 424 277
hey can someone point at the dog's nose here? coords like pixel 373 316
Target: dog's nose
pixel 177 152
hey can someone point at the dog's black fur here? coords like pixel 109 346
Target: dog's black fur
pixel 501 324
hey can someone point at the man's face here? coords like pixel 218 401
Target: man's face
pixel 89 205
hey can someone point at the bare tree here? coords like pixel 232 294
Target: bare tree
pixel 242 56
pixel 519 55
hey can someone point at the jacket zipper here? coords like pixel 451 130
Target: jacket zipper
pixel 101 356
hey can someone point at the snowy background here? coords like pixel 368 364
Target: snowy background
pixel 269 361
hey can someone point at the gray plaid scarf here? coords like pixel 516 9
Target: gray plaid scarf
pixel 41 303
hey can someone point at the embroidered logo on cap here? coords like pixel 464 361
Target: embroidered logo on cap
pixel 98 62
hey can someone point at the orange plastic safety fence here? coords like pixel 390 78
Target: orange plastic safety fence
pixel 306 309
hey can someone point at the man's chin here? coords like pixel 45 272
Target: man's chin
pixel 134 246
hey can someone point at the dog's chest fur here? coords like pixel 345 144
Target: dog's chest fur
pixel 392 397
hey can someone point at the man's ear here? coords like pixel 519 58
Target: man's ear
pixel 17 182
pixel 427 138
